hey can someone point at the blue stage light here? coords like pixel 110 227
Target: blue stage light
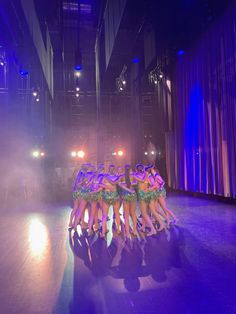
pixel 181 52
pixel 23 72
pixel 135 60
pixel 78 67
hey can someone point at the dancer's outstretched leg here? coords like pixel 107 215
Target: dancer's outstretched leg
pixel 116 207
pixel 92 215
pixel 143 208
pixel 105 209
pixel 134 217
pixel 79 213
pixel 162 202
pixel 156 215
pixel 126 217
pixel 73 212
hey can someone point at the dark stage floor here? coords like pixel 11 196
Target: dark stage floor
pixel 190 268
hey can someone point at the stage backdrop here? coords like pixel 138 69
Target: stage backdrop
pixel 201 151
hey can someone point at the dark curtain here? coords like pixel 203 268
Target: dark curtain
pixel 201 151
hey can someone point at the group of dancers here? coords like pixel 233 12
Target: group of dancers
pixel 95 190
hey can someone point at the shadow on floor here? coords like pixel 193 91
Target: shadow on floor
pixel 127 261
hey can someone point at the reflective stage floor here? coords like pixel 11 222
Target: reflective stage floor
pixel 190 268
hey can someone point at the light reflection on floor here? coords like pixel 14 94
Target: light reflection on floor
pixel 38 237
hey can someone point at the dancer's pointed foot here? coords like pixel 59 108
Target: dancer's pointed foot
pixel 168 221
pixel 175 220
pixel 162 227
pixel 151 233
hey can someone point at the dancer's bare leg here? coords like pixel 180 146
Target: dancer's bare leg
pixel 92 214
pixel 80 213
pixel 143 208
pixel 83 223
pixel 134 217
pixel 126 207
pixel 162 202
pixel 156 215
pixel 73 212
pixel 143 228
pixel 99 207
pixel 164 215
pixel 105 209
pixel 116 207
pixel 96 226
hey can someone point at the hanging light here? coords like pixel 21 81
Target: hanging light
pixel 121 81
pixel 155 75
pixel 35 154
pixel 120 153
pixel 180 52
pixel 77 73
pixel 81 154
pixel 135 60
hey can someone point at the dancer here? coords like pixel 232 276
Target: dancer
pixel 84 196
pixel 76 194
pixel 129 198
pixel 95 197
pixel 152 191
pixel 144 198
pixel 161 196
pixel 111 198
